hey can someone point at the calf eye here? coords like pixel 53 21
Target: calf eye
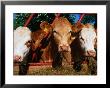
pixel 81 38
pixel 70 31
pixel 55 32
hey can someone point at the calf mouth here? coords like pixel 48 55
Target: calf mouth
pixel 64 49
pixel 88 55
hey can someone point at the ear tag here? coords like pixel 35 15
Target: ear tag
pixel 46 30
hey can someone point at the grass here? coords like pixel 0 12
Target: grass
pixel 52 71
pixel 48 70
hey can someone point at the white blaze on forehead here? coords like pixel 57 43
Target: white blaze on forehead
pixel 87 36
pixel 88 33
pixel 21 36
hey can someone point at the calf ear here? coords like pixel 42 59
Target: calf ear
pixel 77 27
pixel 74 29
pixel 95 31
pixel 95 45
pixel 46 26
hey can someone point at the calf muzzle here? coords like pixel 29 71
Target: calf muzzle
pixel 64 48
pixel 91 53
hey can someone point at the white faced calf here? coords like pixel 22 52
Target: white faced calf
pixel 87 39
pixel 22 37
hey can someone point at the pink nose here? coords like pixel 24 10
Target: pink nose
pixel 64 47
pixel 91 53
pixel 17 58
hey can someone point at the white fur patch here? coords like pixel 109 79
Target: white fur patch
pixel 21 36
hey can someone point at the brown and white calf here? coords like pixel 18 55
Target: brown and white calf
pixel 22 41
pixel 83 47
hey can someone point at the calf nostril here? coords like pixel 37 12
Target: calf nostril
pixel 61 47
pixel 17 58
pixel 64 47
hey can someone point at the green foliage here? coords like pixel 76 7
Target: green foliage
pixel 21 18
pixel 89 19
pixel 70 17
pixel 38 18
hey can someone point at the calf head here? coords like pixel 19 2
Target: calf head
pixel 87 40
pixel 61 32
pixel 22 42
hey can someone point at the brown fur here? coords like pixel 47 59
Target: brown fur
pixel 60 21
pixel 77 27
pixel 39 36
